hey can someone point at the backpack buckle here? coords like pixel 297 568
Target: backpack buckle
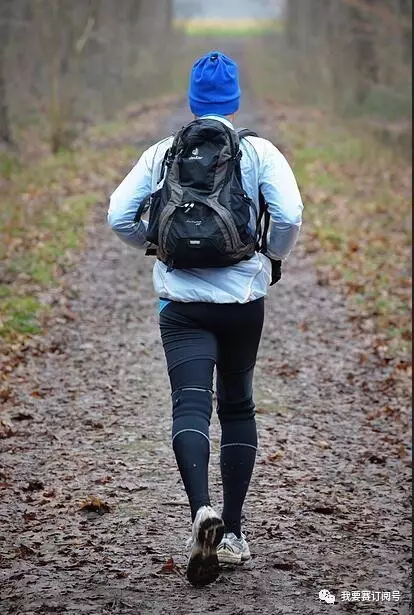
pixel 187 207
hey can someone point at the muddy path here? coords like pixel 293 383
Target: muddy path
pixel 329 503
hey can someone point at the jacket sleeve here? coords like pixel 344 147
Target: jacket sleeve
pixel 279 187
pixel 126 199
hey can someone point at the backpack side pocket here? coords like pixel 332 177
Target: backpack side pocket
pixel 154 217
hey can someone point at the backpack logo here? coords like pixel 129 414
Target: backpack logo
pixel 195 155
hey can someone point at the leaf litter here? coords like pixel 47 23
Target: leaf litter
pixel 330 489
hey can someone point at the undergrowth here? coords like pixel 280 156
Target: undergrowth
pixel 44 209
pixel 357 197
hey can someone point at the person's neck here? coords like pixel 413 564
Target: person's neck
pixel 230 118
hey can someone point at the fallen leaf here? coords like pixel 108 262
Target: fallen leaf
pixel 132 487
pixel 36 394
pixel 103 480
pixel 68 314
pixel 169 567
pixel 24 551
pixel 29 516
pixel 34 485
pixel 22 416
pixel 324 510
pixel 275 456
pixel 283 565
pixel 6 430
pixel 49 494
pixel 287 370
pixel 5 393
pixel 94 504
pixel 323 444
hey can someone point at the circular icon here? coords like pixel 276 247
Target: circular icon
pixel 326 596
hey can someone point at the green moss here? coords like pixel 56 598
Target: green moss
pixel 5 291
pixel 9 165
pixel 19 315
pixel 357 218
pixel 65 231
pixel 43 215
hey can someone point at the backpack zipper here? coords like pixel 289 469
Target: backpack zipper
pixel 166 221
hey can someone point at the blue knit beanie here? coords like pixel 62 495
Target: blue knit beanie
pixel 214 85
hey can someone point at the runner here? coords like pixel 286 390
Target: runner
pixel 211 316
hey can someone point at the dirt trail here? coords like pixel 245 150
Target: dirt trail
pixel 329 503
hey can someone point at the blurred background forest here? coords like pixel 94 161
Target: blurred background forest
pixel 85 87
pixel 67 61
pixel 332 77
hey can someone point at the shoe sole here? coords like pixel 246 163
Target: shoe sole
pixel 227 559
pixel 203 566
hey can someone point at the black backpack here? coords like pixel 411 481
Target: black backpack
pixel 200 216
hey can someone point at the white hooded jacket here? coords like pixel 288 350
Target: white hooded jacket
pixel 262 165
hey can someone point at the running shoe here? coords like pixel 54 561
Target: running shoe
pixel 208 530
pixel 233 550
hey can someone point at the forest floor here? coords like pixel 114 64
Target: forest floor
pixel 87 415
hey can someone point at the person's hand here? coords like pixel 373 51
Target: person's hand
pixel 276 271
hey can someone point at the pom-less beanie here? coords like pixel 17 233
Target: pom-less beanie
pixel 214 85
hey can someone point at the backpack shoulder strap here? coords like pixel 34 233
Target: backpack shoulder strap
pixel 246 132
pixel 264 216
pixel 242 132
pixel 170 154
pixel 163 164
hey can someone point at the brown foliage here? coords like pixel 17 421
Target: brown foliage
pixel 72 61
pixel 354 53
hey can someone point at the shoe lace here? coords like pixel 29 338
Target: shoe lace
pixel 230 542
pixel 225 545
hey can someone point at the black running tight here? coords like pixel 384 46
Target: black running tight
pixel 196 338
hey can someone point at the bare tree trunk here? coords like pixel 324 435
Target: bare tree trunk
pixel 76 60
pixel 293 14
pixel 72 26
pixel 406 12
pixel 362 35
pixel 5 133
